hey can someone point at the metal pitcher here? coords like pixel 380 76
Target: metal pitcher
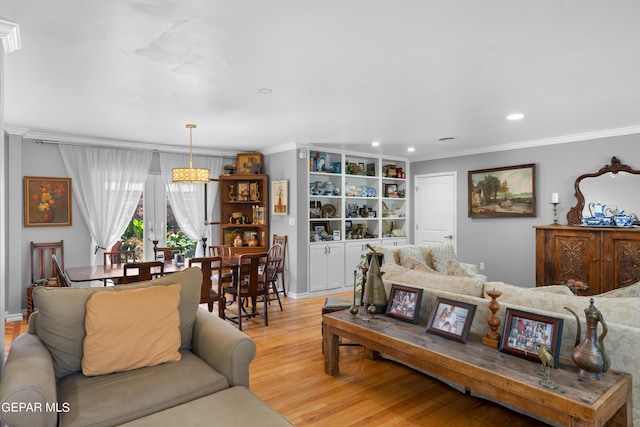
pixel 589 355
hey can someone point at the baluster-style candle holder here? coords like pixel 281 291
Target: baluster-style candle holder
pixel 492 339
pixel 555 213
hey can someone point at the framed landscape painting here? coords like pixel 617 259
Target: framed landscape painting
pixel 47 201
pixel 503 192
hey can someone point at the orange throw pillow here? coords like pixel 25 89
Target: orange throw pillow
pixel 131 329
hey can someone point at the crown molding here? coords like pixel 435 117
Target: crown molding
pixel 279 148
pixel 607 133
pixel 10 35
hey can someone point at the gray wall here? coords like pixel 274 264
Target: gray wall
pixel 27 158
pixel 281 166
pixel 507 245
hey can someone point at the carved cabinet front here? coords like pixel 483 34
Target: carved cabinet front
pixel 605 258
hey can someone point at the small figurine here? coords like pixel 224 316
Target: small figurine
pixel 544 353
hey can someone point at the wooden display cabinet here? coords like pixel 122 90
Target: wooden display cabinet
pixel 244 212
pixel 606 258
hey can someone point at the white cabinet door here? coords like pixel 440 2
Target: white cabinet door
pixel 335 265
pixel 318 268
pixel 353 250
pixel 395 242
pixel 326 266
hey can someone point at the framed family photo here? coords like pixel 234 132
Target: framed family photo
pixel 524 331
pixel 451 319
pixel 404 303
pixel 47 201
pixel 502 192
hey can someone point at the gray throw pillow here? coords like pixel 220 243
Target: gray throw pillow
pixel 60 321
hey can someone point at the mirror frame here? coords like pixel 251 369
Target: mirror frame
pixel 575 214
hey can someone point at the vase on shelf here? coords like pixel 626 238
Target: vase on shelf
pixel 232 192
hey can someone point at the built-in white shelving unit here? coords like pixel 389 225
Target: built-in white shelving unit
pixel 354 200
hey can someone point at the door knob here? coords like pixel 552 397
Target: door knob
pixel 450 237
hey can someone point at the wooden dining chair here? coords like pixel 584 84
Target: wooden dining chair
pixel 168 252
pixel 59 272
pixel 269 277
pixel 144 271
pixel 211 290
pixel 270 274
pixel 41 267
pixel 220 250
pixel 249 288
pixel 118 257
pixel 282 240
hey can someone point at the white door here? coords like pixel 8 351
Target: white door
pixel 435 208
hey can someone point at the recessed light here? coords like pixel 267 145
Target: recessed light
pixel 264 91
pixel 515 116
pixel 411 149
pixel 375 144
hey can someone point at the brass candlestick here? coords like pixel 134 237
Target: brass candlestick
pixel 492 339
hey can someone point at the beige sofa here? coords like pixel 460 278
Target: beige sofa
pixel 57 374
pixel 620 308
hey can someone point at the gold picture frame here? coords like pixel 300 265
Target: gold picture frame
pixel 502 192
pixel 249 163
pixel 47 201
pixel 280 191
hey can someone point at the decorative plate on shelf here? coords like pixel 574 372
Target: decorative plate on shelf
pixel 328 211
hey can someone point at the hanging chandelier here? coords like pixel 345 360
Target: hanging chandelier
pixel 190 174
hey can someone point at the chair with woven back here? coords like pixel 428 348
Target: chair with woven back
pixel 144 271
pixel 282 241
pixel 249 287
pixel 211 290
pixel 41 266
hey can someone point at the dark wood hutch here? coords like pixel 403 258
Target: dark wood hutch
pixel 605 257
pixel 244 212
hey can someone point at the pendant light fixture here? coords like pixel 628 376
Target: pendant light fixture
pixel 190 174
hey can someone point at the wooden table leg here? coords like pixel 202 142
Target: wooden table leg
pixel 331 351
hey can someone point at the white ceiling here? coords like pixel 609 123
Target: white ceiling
pixel 341 72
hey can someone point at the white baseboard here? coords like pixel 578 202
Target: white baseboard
pixel 16 317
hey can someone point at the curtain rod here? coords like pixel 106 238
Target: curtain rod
pixel 153 150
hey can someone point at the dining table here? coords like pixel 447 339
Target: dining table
pixel 116 271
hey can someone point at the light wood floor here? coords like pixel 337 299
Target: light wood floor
pixel 288 374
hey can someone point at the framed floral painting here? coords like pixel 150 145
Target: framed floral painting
pixel 47 201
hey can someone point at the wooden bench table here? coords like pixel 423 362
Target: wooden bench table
pixel 506 378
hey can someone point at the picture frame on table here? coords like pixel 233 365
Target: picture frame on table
pixel 47 201
pixel 249 163
pixel 502 192
pixel 522 330
pixel 404 303
pixel 451 319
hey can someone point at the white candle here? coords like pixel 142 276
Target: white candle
pixel 554 198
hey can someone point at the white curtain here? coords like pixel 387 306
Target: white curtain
pixel 107 184
pixel 187 200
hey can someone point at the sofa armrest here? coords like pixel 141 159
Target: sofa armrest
pixel 28 387
pixel 225 348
